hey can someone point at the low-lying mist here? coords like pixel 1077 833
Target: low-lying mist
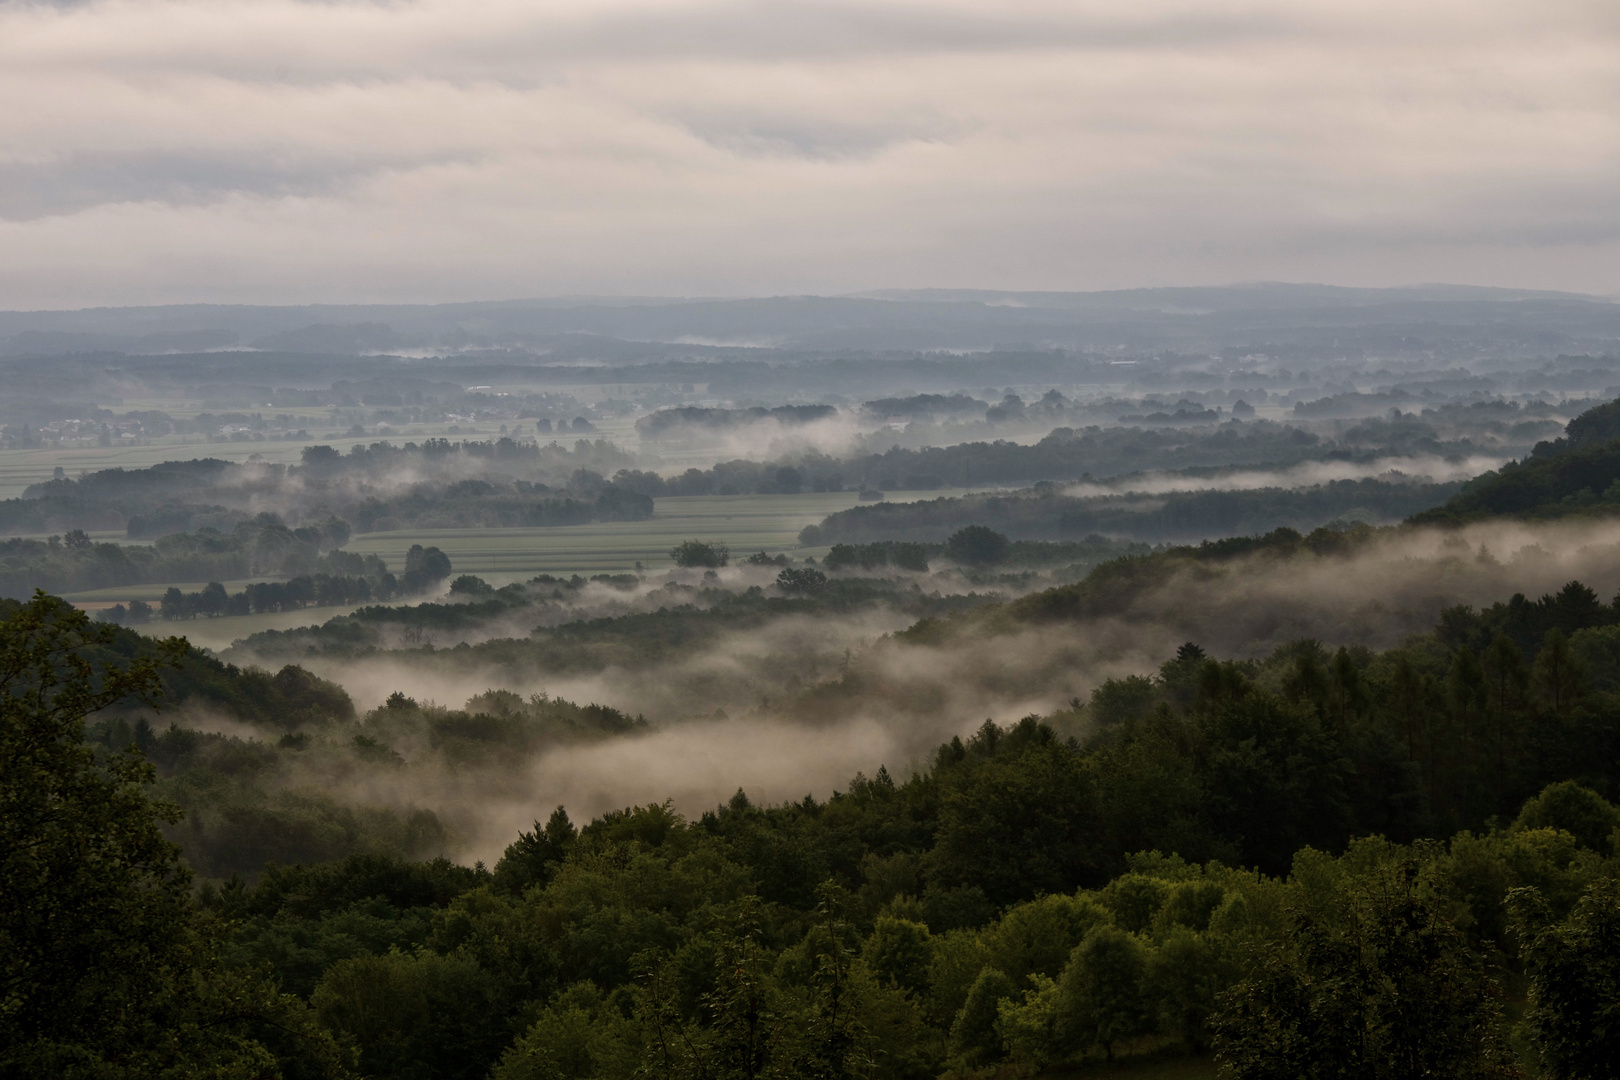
pixel 1423 468
pixel 795 704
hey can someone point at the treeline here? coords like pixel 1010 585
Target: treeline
pixel 684 421
pixel 1072 454
pixel 686 619
pixel 1044 513
pixel 1461 725
pixel 382 458
pixel 508 482
pixel 1065 454
pixel 812 473
pixel 879 555
pixel 923 407
pixel 486 504
pixel 438 483
pixel 425 568
pixel 197 684
pixel 977 546
pixel 263 544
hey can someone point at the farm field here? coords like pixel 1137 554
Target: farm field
pixel 746 523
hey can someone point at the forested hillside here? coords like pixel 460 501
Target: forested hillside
pixel 1575 476
pixel 1057 890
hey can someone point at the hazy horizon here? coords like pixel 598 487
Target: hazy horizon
pixel 896 293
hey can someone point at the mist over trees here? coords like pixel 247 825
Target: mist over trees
pixel 1006 903
pixel 383 486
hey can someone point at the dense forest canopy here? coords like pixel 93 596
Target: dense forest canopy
pixel 1014 900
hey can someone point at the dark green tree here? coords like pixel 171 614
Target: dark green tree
pixel 899 952
pixel 1384 987
pixel 1101 999
pixel 974 1039
pixel 1574 969
pixel 533 856
pixel 977 545
pixel 211 601
pixel 1508 682
pixel 415 1017
pixel 1558 673
pixel 801 579
pixel 1579 811
pixel 737 1028
pixel 1185 974
pixel 425 567
pixel 833 1033
pixel 697 553
pixel 1020 823
pixel 173 605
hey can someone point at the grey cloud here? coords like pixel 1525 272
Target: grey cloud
pixel 791 137
pixel 782 30
pixel 79 181
pixel 785 30
pixel 430 150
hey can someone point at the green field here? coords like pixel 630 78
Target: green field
pixel 745 523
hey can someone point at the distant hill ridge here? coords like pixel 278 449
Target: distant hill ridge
pixel 890 319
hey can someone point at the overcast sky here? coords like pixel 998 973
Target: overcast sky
pixel 282 151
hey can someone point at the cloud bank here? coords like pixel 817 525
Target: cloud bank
pixel 282 151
